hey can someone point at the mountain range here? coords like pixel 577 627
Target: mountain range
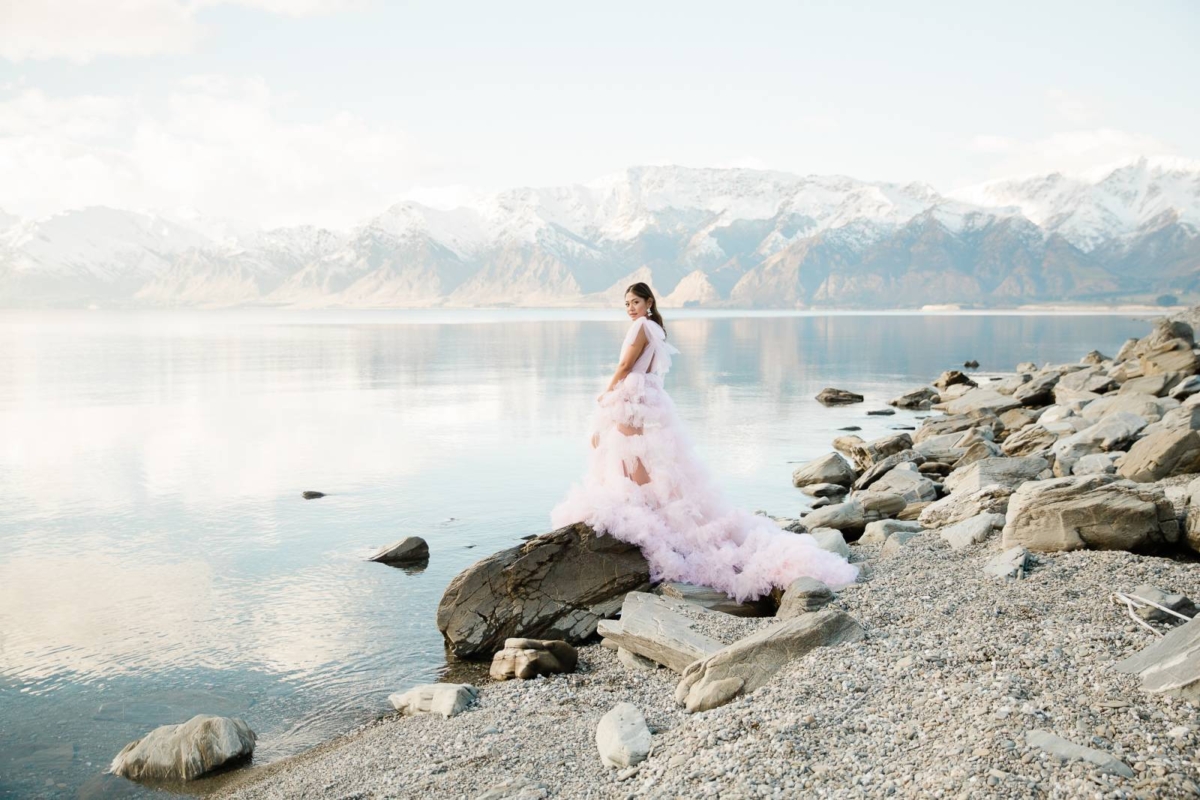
pixel 701 237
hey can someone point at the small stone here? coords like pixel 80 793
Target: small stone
pixel 622 736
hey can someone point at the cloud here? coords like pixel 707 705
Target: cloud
pixel 82 30
pixel 228 147
pixel 1071 152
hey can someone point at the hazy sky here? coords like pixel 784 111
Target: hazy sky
pixel 326 111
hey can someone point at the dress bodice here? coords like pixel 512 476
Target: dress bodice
pixel 656 356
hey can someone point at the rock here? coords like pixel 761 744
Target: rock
pixel 311 495
pixel 756 658
pixel 1157 385
pixel 846 444
pixel 405 551
pixel 1091 511
pixel 1160 455
pixel 972 364
pixel 446 699
pixel 1096 464
pixel 975 530
pixel 978 451
pixel 622 736
pixel 1091 380
pixel 878 532
pixel 556 586
pixel 1030 440
pixel 658 628
pixel 1094 357
pixel 1011 384
pixel 1017 418
pixel 1010 472
pixel 1175 602
pixel 874 471
pixel 1146 406
pixel 715 600
pixel 1171 665
pixel 869 454
pixel 804 596
pixel 854 514
pixel 991 499
pixel 980 400
pixel 953 377
pixel 896 542
pixel 838 397
pixel 825 490
pixel 1069 751
pixel 1039 391
pixel 1186 387
pixel 912 512
pixel 185 751
pixel 1009 564
pixel 922 398
pixel 1182 417
pixel 828 469
pixel 1181 361
pixel 515 789
pixel 529 658
pixel 1192 515
pixel 881 412
pixel 633 661
pixel 832 540
pixel 906 481
pixel 956 423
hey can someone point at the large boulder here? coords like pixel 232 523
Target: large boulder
pixel 1146 406
pixel 919 399
pixel 804 596
pixel 1170 665
pixel 1030 440
pixel 408 550
pixel 856 513
pixel 831 468
pixel 529 658
pixel 1090 511
pixel 186 751
pixel 1039 391
pixel 1111 432
pixel 992 499
pixel 556 586
pixel 1010 472
pixel 749 663
pixel 1160 455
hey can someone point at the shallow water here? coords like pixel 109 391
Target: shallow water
pixel 157 560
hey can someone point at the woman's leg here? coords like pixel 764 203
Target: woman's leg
pixel 639 475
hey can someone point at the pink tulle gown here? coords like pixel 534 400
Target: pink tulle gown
pixel 684 527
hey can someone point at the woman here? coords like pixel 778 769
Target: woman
pixel 645 485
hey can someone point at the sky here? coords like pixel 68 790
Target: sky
pixel 279 112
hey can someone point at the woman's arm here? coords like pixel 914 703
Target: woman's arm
pixel 629 357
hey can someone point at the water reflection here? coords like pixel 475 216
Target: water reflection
pixel 159 561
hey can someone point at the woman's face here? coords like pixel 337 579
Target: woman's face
pixel 635 306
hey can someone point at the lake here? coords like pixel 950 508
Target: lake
pixel 157 559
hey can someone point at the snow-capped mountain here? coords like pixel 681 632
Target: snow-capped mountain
pixel 708 237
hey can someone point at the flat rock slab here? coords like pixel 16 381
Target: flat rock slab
pixel 716 600
pixel 186 751
pixel 556 586
pixel 1067 750
pixel 749 663
pixel 975 530
pixel 443 699
pixel 658 629
pixel 1171 665
pixel 1005 471
pixel 1009 564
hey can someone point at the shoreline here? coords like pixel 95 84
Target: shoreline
pixel 950 660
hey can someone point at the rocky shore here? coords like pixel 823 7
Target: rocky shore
pixel 986 650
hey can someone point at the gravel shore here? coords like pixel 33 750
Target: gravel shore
pixel 936 702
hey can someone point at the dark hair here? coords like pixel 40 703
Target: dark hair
pixel 643 291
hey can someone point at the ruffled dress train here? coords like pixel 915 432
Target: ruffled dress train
pixel 679 519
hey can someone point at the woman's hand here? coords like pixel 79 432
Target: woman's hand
pixel 600 397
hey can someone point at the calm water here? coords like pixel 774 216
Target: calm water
pixel 157 560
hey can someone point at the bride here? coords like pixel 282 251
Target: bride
pixel 645 485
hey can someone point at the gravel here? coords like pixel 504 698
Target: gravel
pixel 936 702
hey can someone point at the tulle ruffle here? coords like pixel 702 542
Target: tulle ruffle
pixel 683 525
